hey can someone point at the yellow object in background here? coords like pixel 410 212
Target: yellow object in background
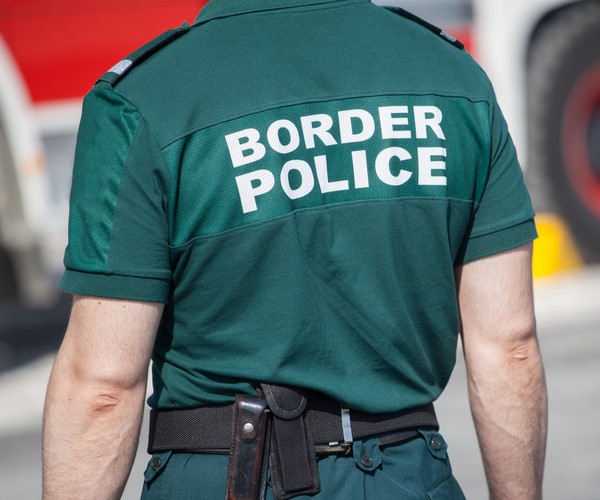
pixel 554 250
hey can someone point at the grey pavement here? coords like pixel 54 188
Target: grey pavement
pixel 568 312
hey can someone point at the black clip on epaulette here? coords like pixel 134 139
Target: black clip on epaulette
pixel 431 27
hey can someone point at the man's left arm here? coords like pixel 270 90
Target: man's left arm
pixel 95 398
pixel 505 374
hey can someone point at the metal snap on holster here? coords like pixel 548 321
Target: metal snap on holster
pixel 292 458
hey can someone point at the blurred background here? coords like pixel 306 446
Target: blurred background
pixel 543 57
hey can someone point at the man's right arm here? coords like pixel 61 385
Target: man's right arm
pixel 507 389
pixel 95 398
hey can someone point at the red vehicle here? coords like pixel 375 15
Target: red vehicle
pixel 61 46
pixel 51 53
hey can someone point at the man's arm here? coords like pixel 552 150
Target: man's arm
pixel 507 389
pixel 94 403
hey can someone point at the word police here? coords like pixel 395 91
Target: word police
pixel 297 176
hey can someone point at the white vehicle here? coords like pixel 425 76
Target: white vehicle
pixel 542 55
pixel 26 218
pixel 544 59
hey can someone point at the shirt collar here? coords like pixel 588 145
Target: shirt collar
pixel 224 8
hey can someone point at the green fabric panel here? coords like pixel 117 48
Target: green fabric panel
pixel 311 299
pixel 114 286
pixel 210 192
pixel 107 120
pixel 139 244
pixel 506 201
pixel 503 218
pixel 118 227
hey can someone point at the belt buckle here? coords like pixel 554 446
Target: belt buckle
pixel 339 447
pixel 334 448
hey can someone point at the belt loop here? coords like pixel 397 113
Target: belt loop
pixel 346 426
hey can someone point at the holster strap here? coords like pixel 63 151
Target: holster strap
pixel 292 459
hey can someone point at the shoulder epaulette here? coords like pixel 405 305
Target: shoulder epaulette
pixel 119 70
pixel 434 29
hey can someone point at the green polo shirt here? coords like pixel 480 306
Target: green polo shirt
pixel 296 180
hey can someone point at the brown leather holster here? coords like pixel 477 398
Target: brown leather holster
pixel 271 432
pixel 246 473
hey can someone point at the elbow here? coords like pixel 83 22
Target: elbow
pixel 512 343
pixel 109 380
pixel 101 402
pixel 102 393
pixel 90 388
pixel 104 400
pixel 523 350
pixel 518 339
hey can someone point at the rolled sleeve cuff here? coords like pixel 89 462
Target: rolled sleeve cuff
pixel 114 286
pixel 498 241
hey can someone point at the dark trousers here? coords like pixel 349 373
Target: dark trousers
pixel 417 469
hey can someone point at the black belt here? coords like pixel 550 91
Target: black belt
pixel 280 430
pixel 209 429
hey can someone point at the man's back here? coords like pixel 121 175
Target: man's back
pixel 319 167
pixel 297 182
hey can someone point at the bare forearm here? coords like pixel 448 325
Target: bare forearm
pixel 95 398
pixel 90 439
pixel 508 398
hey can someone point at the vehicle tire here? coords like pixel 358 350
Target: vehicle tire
pixel 8 281
pixel 564 118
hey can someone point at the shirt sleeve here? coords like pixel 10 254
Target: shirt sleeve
pixel 503 217
pixel 118 223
